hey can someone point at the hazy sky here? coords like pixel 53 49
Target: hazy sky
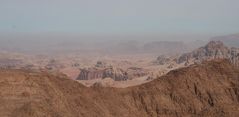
pixel 120 16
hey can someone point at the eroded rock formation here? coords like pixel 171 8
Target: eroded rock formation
pixel 100 73
pixel 90 73
pixel 213 50
pixel 162 59
pixel 116 74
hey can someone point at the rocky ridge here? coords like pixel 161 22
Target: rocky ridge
pixel 207 89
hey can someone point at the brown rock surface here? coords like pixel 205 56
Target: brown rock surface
pixel 209 89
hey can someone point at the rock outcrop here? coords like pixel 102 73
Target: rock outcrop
pixel 90 74
pixel 234 56
pixel 213 50
pixel 135 72
pixel 100 73
pixel 114 73
pixel 162 59
pixel 202 90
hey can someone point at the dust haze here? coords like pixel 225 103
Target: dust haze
pixel 101 44
pixel 119 58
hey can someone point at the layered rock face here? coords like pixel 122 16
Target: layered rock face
pixel 114 73
pixel 213 50
pixel 100 73
pixel 210 89
pixel 90 74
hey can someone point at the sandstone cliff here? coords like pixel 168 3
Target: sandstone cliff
pixel 100 73
pixel 114 73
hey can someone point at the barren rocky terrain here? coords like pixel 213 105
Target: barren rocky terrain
pixel 119 58
pixel 116 70
pixel 207 89
pixel 203 82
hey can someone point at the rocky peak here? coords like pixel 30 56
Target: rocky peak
pixel 213 50
pixel 215 45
